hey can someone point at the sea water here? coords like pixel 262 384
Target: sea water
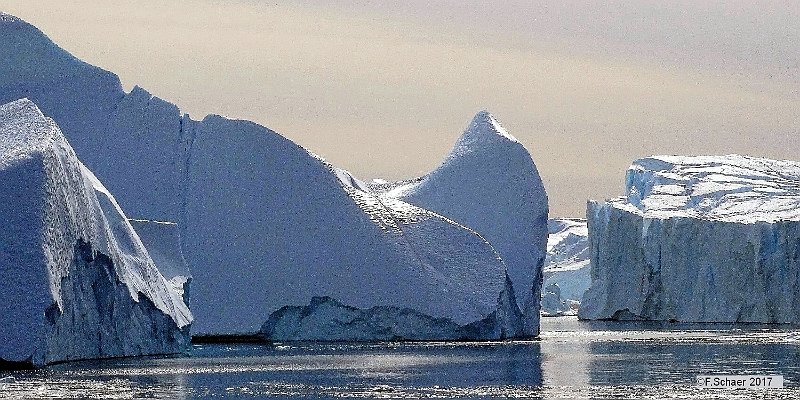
pixel 571 359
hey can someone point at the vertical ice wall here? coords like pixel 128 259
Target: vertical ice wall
pixel 698 239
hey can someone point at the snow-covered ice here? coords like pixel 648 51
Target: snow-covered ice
pixel 263 223
pixel 77 281
pixel 729 188
pixel 567 261
pixel 134 141
pixel 489 183
pixel 700 239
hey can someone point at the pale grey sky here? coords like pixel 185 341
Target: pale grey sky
pixel 383 88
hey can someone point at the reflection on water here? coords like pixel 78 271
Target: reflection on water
pixel 651 359
pixel 572 360
pixel 362 370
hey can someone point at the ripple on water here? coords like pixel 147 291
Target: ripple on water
pixel 572 359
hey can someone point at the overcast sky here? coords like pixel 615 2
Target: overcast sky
pixel 384 89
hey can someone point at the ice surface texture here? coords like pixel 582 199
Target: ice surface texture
pixel 700 239
pixel 77 281
pixel 263 223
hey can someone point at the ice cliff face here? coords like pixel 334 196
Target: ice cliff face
pixel 700 239
pixel 77 281
pixel 567 262
pixel 490 184
pixel 262 222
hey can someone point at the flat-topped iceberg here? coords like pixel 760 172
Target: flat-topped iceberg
pixel 263 223
pixel 77 281
pixel 698 239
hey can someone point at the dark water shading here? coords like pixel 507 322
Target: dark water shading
pixel 571 360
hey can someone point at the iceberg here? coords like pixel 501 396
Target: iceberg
pixel 263 223
pixel 77 281
pixel 135 142
pixel 270 224
pixel 698 239
pixel 552 304
pixel 489 183
pixel 567 262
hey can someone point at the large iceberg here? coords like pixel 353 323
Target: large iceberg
pixel 77 281
pixel 269 224
pixel 698 239
pixel 262 222
pixel 489 183
pixel 566 265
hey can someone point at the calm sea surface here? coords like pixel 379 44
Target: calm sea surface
pixel 571 360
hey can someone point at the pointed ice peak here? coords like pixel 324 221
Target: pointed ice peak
pixel 482 116
pixel 483 130
pixel 485 124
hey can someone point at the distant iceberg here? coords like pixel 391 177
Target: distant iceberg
pixel 77 281
pixel 552 303
pixel 566 266
pixel 698 239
